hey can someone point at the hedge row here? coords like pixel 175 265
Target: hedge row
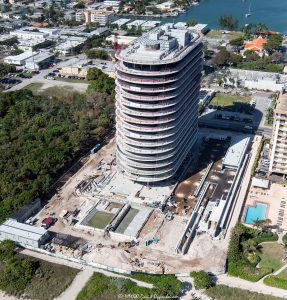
pixel 238 264
pixel 266 237
pixel 257 158
pixel 276 282
pixel 244 271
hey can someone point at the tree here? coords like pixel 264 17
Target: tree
pixel 237 42
pixel 249 246
pixel 277 57
pixel 226 58
pixel 101 54
pixel 221 58
pixel 15 274
pixel 7 249
pixel 201 280
pixel 93 73
pixel 191 22
pixel 228 22
pixel 80 5
pixel 262 225
pixel 252 57
pixel 273 42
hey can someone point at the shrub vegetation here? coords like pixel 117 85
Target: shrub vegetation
pixel 36 279
pixel 276 281
pixel 201 280
pixel 223 292
pixel 243 252
pixel 103 287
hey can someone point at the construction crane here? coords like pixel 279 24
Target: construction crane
pixel 117 46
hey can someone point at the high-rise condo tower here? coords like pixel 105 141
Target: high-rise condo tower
pixel 157 91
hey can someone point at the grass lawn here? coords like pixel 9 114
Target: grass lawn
pixel 235 35
pixel 271 255
pixel 228 100
pixel 34 87
pixel 217 34
pixel 72 80
pixel 283 274
pixel 49 281
pixel 100 219
pixel 223 292
pixel 101 287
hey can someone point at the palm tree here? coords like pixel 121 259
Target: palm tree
pixel 257 224
pixel 249 246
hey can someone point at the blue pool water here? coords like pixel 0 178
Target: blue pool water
pixel 255 212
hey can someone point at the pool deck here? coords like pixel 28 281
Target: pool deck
pixel 274 197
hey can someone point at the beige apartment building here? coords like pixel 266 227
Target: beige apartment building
pixel 95 16
pixel 278 160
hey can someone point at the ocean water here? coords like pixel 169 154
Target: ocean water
pixel 271 12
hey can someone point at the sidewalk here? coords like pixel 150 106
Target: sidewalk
pixel 258 287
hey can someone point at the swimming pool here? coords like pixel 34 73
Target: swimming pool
pixel 255 212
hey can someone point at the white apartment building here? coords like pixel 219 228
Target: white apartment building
pixel 157 92
pixel 113 3
pixel 30 35
pixel 278 160
pixel 95 16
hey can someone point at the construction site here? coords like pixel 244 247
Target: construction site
pixel 102 217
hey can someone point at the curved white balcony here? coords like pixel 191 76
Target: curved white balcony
pixel 146 113
pixel 146 105
pixel 146 80
pixel 150 179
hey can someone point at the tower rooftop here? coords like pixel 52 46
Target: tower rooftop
pixel 162 44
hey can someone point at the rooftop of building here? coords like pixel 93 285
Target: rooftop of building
pixel 236 151
pixel 23 230
pixel 39 57
pixel 161 44
pixel 21 56
pixel 281 104
pixel 256 44
pixel 100 12
pixel 121 21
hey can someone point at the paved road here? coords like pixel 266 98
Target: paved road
pixel 77 285
pixel 251 286
pixel 263 101
pixel 80 280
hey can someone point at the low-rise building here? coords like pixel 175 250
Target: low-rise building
pixel 30 35
pixel 39 61
pixel 165 5
pixel 256 45
pixel 112 3
pixel 121 22
pixel 23 234
pixel 235 153
pixel 203 28
pixel 205 95
pixel 69 43
pixel 18 60
pixel 121 39
pixel 150 25
pixel 30 60
pixel 136 23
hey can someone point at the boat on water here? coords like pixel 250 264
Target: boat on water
pixel 249 11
